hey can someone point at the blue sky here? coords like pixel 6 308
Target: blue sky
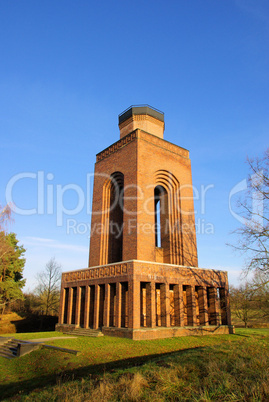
pixel 68 68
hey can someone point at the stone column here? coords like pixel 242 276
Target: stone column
pixel 181 306
pixel 202 301
pixel 134 304
pixel 96 307
pixel 224 309
pixel 191 305
pixel 78 304
pixel 148 305
pixel 151 304
pixel 167 302
pixel 228 309
pixel 70 305
pixel 124 304
pixel 194 312
pixel 112 305
pixel 118 304
pixel 177 296
pixel 106 306
pixel 165 305
pixel 62 306
pixel 217 301
pixel 130 304
pixel 87 307
pixel 213 309
pixel 126 312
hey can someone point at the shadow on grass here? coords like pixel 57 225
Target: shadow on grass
pixel 35 323
pixel 20 388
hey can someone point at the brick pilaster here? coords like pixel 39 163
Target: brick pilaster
pixel 70 305
pixel 181 306
pixel 87 307
pixel 150 305
pixel 134 305
pixel 106 306
pixel 213 309
pixel 153 304
pixel 177 304
pixel 78 304
pixel 118 304
pixel 62 306
pixel 202 301
pixel 224 310
pixel 191 305
pixel 165 305
pixel 194 312
pixel 228 308
pixel 96 307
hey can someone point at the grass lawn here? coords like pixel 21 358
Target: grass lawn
pixel 221 367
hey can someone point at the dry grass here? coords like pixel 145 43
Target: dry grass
pixel 209 368
pixel 7 323
pixel 128 387
pixel 230 371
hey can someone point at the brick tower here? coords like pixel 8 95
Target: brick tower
pixel 143 279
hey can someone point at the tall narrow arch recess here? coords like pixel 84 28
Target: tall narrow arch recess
pixel 166 193
pixel 162 232
pixel 112 219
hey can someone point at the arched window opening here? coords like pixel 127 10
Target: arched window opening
pixel 116 218
pixel 162 237
pixel 158 223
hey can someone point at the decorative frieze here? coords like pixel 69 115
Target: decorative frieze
pixel 95 273
pixel 143 135
pixel 116 146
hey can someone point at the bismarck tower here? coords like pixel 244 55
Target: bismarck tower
pixel 143 280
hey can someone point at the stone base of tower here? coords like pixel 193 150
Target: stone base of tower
pixel 171 332
pixel 144 300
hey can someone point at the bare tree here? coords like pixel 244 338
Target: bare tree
pixel 242 304
pixel 260 286
pixel 250 301
pixel 48 289
pixel 253 235
pixel 5 218
pixel 5 215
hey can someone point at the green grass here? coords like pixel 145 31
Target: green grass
pixel 34 335
pixel 208 368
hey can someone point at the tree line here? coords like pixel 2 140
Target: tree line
pixel 44 300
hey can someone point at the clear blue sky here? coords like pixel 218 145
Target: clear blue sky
pixel 68 68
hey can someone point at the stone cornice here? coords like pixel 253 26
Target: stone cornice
pixel 116 146
pixel 146 137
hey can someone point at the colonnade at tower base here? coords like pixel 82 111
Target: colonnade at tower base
pixel 146 300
